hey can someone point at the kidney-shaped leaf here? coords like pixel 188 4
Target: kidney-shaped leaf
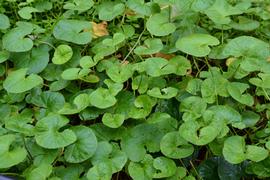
pixel 159 25
pixel 165 93
pixel 151 46
pixel 15 40
pixel 62 54
pixel 48 135
pixel 113 120
pixel 84 147
pixel 71 31
pixel 174 146
pixel 9 157
pixel 196 44
pixel 16 82
pixel 165 167
pixel 102 98
pixel 4 22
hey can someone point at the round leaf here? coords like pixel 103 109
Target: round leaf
pixel 113 120
pixel 62 54
pixel 102 98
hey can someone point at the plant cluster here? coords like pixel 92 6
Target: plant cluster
pixel 135 89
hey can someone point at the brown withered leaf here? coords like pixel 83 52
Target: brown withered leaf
pixel 165 56
pixel 99 29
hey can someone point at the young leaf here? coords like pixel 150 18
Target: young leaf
pixel 151 46
pixel 113 120
pixel 62 54
pixel 165 93
pixel 4 22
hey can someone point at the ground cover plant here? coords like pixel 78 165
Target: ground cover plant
pixel 134 89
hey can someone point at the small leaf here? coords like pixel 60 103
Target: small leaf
pixel 151 46
pixel 196 44
pixel 26 12
pixel 165 93
pixel 79 5
pixel 62 54
pixel 165 166
pixel 16 82
pixel 113 120
pixel 255 153
pixel 4 22
pixel 237 89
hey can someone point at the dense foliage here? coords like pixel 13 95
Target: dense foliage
pixel 134 89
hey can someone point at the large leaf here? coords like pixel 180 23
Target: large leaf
pixel 196 44
pixel 48 135
pixel 16 82
pixel 70 30
pixel 84 147
pixel 10 157
pixel 15 39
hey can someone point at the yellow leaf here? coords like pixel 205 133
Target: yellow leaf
pixel 99 29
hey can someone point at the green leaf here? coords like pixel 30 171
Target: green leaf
pixel 15 40
pixel 255 153
pixel 165 167
pixel 245 24
pixel 48 135
pixel 41 172
pixel 198 133
pixel 159 25
pixel 139 6
pixel 79 5
pixel 83 148
pixel 165 93
pixel 100 171
pixel 237 89
pixel 35 60
pixel 53 101
pixel 4 22
pixel 174 146
pixel 62 54
pixel 87 62
pixel 151 46
pixel 71 74
pixel 220 11
pixel 263 80
pixel 10 157
pixel 70 31
pixel 193 108
pixel 26 12
pixel 16 82
pixel 107 11
pixel 102 98
pixel 80 102
pixel 143 169
pixel 234 149
pixel 4 55
pixel 113 120
pixel 197 44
